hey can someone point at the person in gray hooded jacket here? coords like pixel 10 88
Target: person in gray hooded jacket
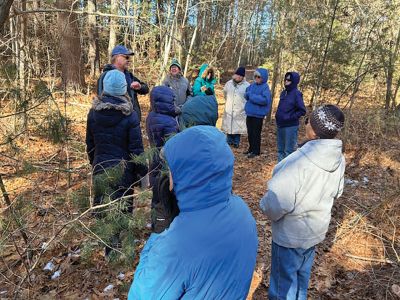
pixel 299 200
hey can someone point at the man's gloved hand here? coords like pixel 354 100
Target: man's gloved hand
pixel 208 92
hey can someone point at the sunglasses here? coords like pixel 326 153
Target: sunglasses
pixel 127 57
pixel 257 76
pixel 287 79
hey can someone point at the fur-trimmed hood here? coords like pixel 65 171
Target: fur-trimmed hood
pixel 120 103
pixel 204 69
pixel 110 110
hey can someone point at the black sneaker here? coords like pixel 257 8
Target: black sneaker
pixel 247 152
pixel 235 146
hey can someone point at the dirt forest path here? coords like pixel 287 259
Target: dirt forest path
pixel 356 261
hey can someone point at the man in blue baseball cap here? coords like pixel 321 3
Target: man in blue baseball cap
pixel 120 60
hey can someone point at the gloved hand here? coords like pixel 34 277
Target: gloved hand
pixel 208 92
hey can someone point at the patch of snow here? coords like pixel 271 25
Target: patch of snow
pixel 49 266
pixel 56 275
pixel 121 276
pixel 351 182
pixel 45 245
pixel 108 288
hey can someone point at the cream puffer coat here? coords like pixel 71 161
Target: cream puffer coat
pixel 234 118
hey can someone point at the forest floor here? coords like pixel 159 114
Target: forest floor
pixel 359 259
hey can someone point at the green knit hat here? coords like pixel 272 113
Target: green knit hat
pixel 175 62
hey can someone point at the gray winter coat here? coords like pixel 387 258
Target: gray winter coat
pixel 301 192
pixel 181 87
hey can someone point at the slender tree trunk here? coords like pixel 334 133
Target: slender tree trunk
pixel 394 102
pixel 93 34
pixel 390 71
pixel 190 51
pixel 5 6
pixel 168 41
pixel 314 99
pixel 112 40
pixel 70 47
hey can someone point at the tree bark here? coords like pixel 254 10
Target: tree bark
pixel 72 72
pixel 93 34
pixel 112 41
pixel 5 6
pixel 390 71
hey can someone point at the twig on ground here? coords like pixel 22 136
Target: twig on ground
pixel 371 259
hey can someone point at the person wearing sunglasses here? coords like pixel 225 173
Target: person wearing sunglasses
pixel 258 100
pixel 290 109
pixel 120 60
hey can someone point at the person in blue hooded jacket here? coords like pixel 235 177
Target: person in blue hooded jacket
pixel 113 136
pixel 209 250
pixel 258 100
pixel 290 109
pixel 160 123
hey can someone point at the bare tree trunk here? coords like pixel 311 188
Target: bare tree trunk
pixel 314 99
pixel 190 51
pixel 5 6
pixel 93 34
pixel 390 71
pixel 35 54
pixel 394 102
pixel 168 41
pixel 112 41
pixel 70 47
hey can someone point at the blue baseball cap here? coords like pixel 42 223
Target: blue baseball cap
pixel 119 49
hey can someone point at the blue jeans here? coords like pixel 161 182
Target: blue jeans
pixel 233 139
pixel 287 140
pixel 290 272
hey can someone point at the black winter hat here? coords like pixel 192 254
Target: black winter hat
pixel 327 121
pixel 241 71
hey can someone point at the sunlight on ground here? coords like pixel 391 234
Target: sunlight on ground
pixel 255 282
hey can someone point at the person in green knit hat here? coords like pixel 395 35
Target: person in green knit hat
pixel 178 83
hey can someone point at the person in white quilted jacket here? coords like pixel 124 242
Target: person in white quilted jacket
pixel 234 118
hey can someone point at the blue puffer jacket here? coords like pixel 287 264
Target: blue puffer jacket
pixel 258 96
pixel 291 106
pixel 199 110
pixel 209 251
pixel 161 122
pixel 112 135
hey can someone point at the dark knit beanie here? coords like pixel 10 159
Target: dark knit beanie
pixel 175 62
pixel 327 121
pixel 241 71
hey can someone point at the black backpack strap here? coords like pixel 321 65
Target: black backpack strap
pixel 100 83
pixel 164 204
